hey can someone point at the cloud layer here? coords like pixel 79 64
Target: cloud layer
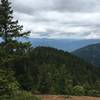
pixel 59 18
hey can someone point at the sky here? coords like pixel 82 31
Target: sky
pixel 77 19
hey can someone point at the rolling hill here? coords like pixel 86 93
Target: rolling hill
pixel 90 53
pixel 51 71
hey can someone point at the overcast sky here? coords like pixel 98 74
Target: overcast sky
pixel 59 18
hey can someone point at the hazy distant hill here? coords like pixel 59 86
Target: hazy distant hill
pixel 64 44
pixel 90 53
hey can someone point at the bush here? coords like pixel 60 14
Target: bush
pixel 94 93
pixel 78 90
pixel 8 83
pixel 20 95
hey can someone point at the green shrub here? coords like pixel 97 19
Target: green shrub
pixel 8 83
pixel 78 90
pixel 20 95
pixel 94 93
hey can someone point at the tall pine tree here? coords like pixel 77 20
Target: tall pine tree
pixel 10 30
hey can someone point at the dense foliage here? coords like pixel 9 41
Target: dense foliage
pixel 8 83
pixel 10 88
pixel 90 53
pixel 47 70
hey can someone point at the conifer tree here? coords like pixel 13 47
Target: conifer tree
pixel 10 29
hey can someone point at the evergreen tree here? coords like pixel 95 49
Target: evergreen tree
pixel 9 29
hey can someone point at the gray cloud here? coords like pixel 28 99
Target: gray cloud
pixel 59 18
pixel 30 6
pixel 78 5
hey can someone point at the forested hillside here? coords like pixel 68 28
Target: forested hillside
pixel 50 71
pixel 90 53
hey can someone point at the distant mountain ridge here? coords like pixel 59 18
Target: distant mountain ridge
pixel 90 53
pixel 63 44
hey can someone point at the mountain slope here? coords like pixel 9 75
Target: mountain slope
pixel 52 71
pixel 63 44
pixel 90 53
